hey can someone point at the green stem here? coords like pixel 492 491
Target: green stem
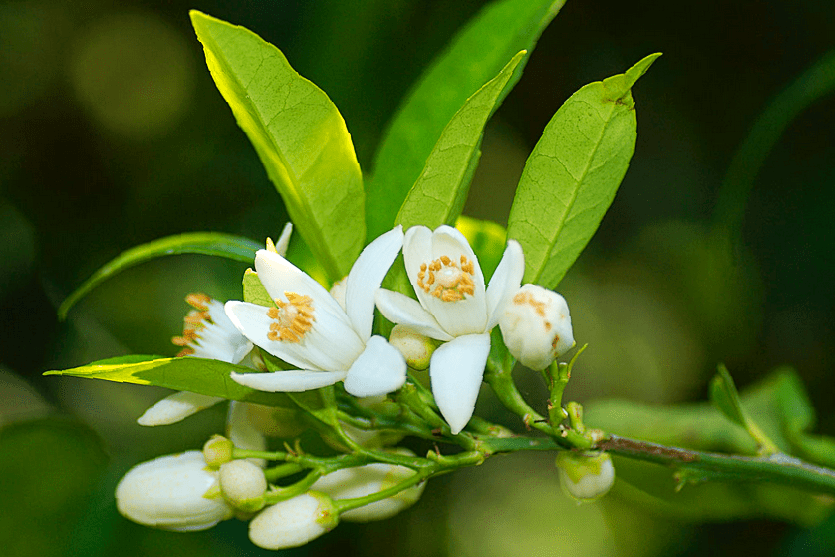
pixel 277 494
pixel 282 471
pixel 696 466
pixel 343 505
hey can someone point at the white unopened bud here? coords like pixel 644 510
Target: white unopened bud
pixel 536 326
pixel 294 522
pixel 416 348
pixel 585 477
pixel 350 483
pixel 169 492
pixel 243 484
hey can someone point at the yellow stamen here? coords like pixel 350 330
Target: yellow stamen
pixel 292 319
pixel 444 279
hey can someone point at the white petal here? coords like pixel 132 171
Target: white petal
pixel 417 248
pixel 279 276
pixel 398 308
pixel 284 240
pixel 292 380
pixel 174 408
pixel 379 370
pixel 505 282
pixel 331 344
pixel 366 276
pixel 456 371
pixel 241 431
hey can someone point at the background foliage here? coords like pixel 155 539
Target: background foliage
pixel 113 134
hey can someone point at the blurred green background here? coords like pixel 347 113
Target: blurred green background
pixel 113 134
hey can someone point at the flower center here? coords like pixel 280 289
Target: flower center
pixel 292 319
pixel 195 320
pixel 447 280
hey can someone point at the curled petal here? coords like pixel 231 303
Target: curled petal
pixel 292 380
pixel 505 282
pixel 380 369
pixel 284 240
pixel 176 407
pixel 398 308
pixel 366 276
pixel 456 370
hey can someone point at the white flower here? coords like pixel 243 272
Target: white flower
pixel 536 326
pixel 585 477
pixel 169 493
pixel 360 481
pixel 294 522
pixel 453 306
pixel 308 328
pixel 207 333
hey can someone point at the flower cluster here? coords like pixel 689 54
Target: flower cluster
pixel 325 338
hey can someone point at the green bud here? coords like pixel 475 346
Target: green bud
pixel 217 451
pixel 586 476
pixel 416 348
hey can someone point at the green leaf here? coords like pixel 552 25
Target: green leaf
pixel 203 243
pixel 438 194
pixel 487 239
pixel 474 55
pixel 198 375
pixel 725 397
pixel 299 135
pixel 254 291
pixel 573 173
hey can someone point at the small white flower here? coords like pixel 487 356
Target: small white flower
pixel 585 477
pixel 169 493
pixel 308 328
pixel 360 481
pixel 453 306
pixel 208 333
pixel 536 326
pixel 294 522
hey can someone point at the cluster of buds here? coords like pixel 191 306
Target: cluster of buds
pixel 195 490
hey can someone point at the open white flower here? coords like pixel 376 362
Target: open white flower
pixel 453 306
pixel 308 328
pixel 207 333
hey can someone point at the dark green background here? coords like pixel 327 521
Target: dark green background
pixel 112 134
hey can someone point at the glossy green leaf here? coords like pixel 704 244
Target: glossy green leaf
pixel 573 173
pixel 198 375
pixel 438 194
pixel 474 56
pixel 299 135
pixel 203 243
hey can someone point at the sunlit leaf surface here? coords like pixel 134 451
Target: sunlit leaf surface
pixel 299 135
pixel 573 173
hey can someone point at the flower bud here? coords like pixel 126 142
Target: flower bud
pixel 536 326
pixel 294 522
pixel 416 348
pixel 361 481
pixel 243 484
pixel 169 492
pixel 585 476
pixel 217 451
